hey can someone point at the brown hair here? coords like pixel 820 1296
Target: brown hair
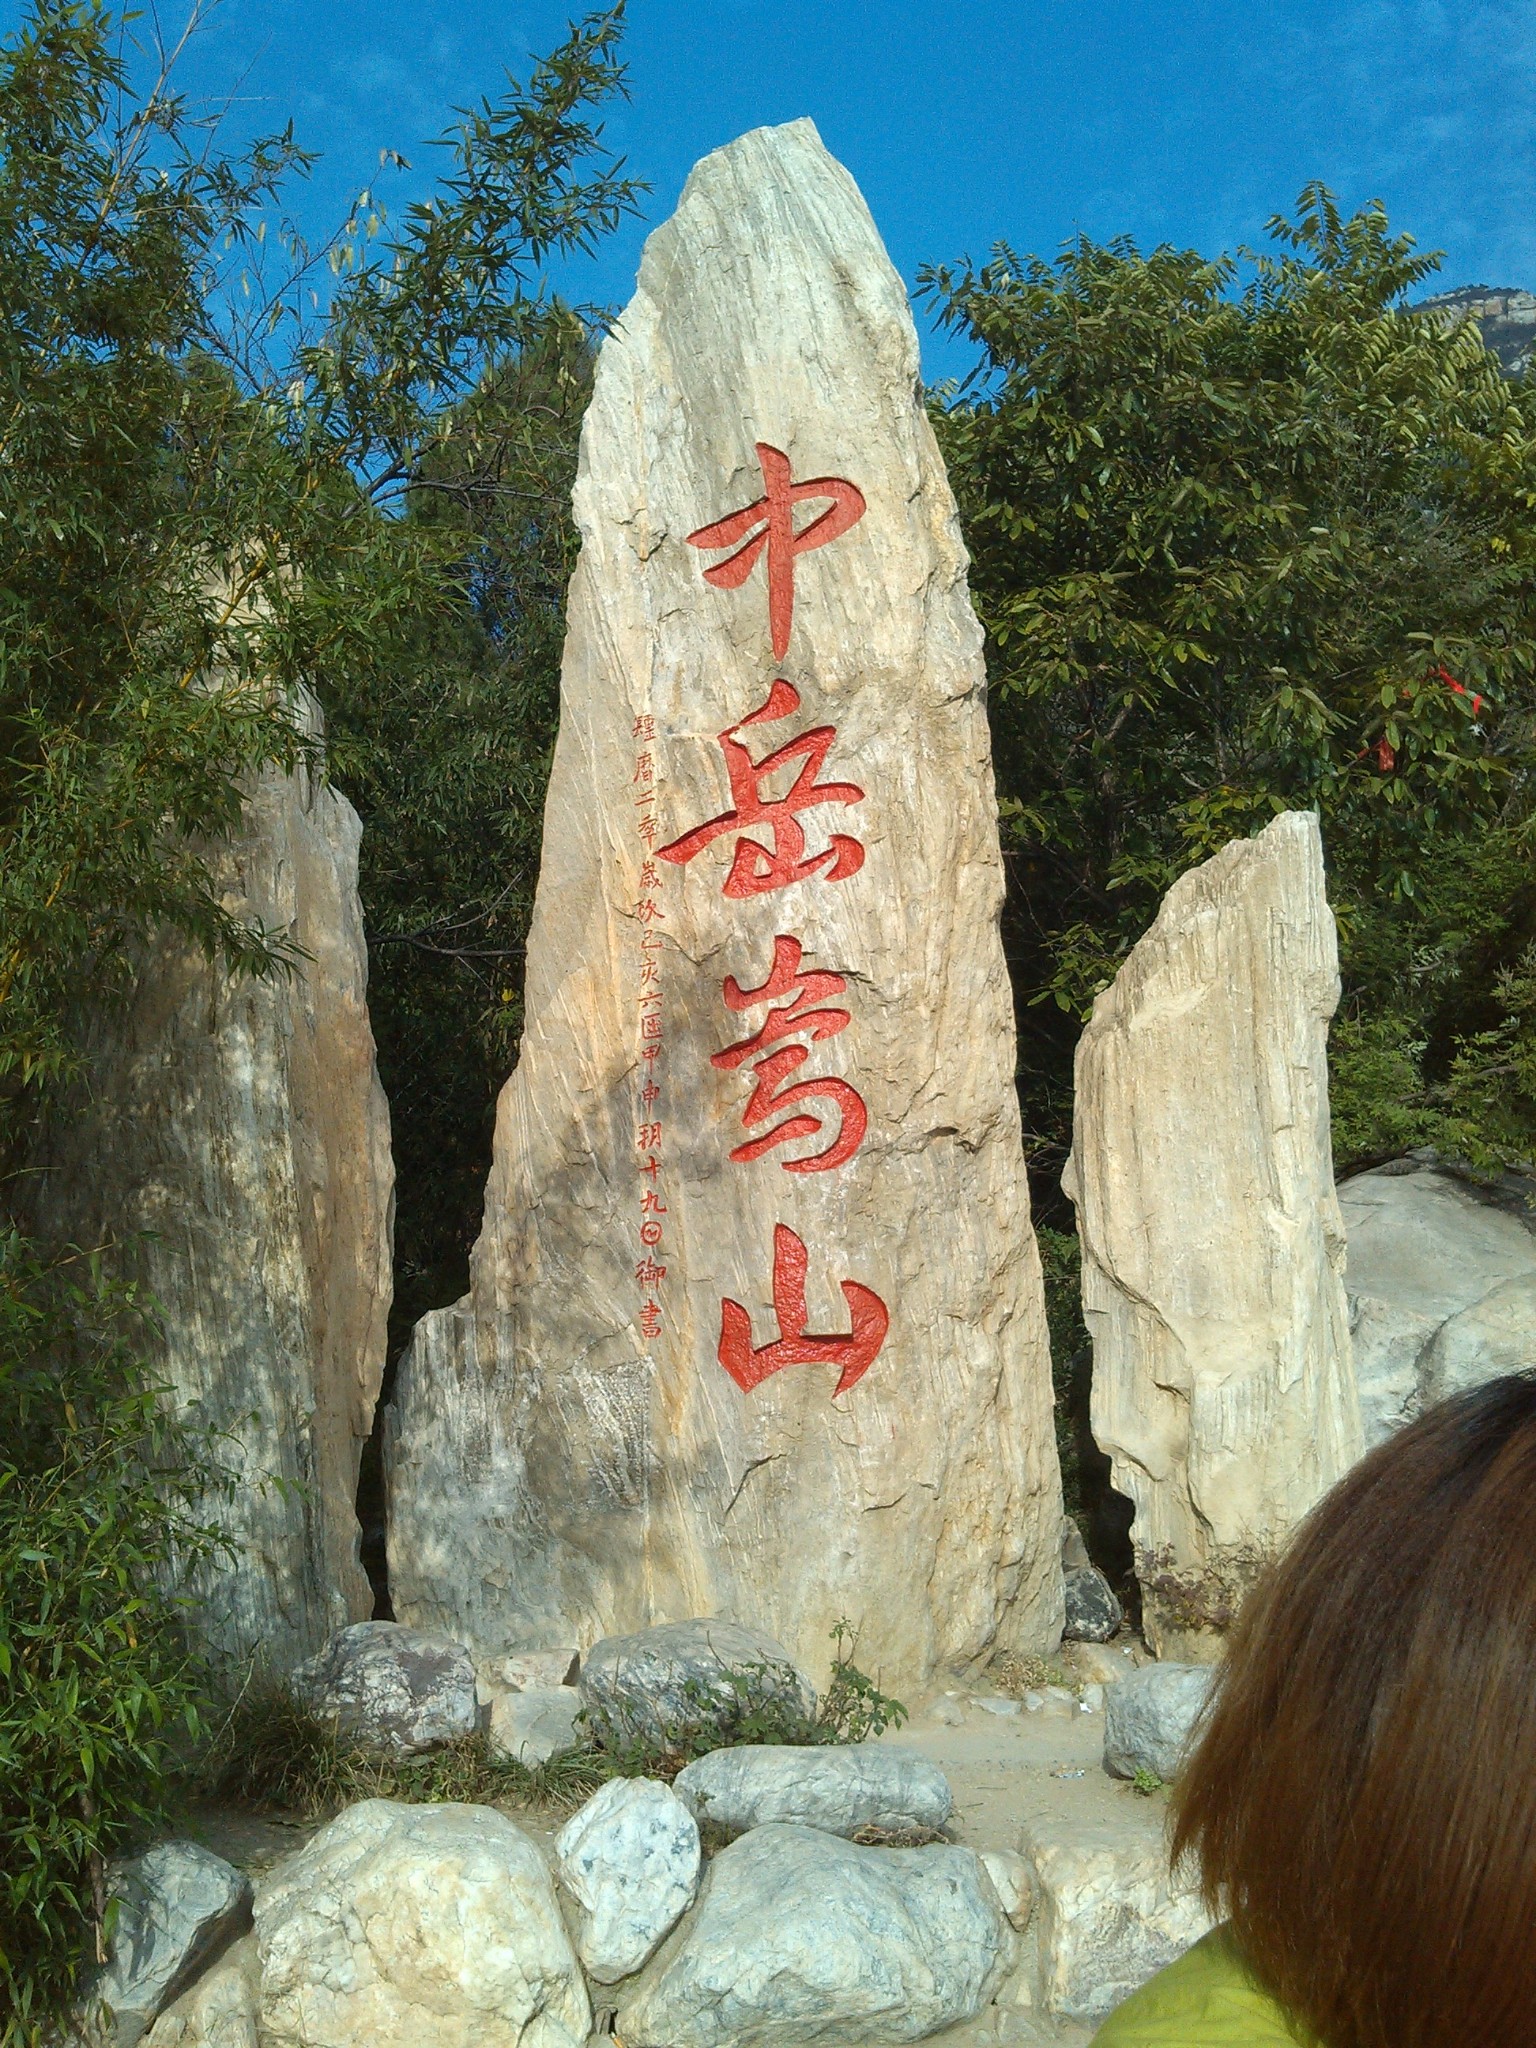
pixel 1362 1803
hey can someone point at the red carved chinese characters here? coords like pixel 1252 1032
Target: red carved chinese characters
pixel 650 1270
pixel 770 523
pixel 855 1353
pixel 755 868
pixel 805 989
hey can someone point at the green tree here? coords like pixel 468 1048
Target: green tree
pixel 212 445
pixel 445 749
pixel 1249 537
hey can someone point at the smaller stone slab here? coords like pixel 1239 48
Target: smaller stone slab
pixel 177 1904
pixel 684 1676
pixel 630 1859
pixel 1150 1718
pixel 839 1789
pixel 390 1688
pixel 1109 1914
pixel 801 1938
pixel 531 1727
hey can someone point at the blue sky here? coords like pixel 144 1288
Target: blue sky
pixel 1027 120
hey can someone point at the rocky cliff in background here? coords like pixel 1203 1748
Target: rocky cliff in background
pixel 236 1133
pixel 1505 316
pixel 756 1324
pixel 1213 1250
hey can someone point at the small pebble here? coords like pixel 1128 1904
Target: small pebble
pixel 1033 1702
pixel 989 1705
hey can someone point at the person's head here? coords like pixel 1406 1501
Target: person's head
pixel 1362 1803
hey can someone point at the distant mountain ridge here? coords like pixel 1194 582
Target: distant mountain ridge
pixel 1505 316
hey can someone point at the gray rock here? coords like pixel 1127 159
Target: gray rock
pixel 528 1671
pixel 1012 1879
pixel 801 1938
pixel 1094 1614
pixel 630 1859
pixel 177 1904
pixel 417 1927
pixel 221 2009
pixel 1441 1279
pixel 391 1688
pixel 838 1789
pixel 680 1676
pixel 1150 1716
pixel 531 1727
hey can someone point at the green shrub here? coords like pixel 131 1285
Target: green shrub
pixel 99 1692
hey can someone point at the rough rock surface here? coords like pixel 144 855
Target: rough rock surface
pixel 1149 1718
pixel 532 1726
pixel 568 1457
pixel 801 1938
pixel 686 1675
pixel 630 1859
pixel 1094 1614
pixel 417 1927
pixel 838 1789
pixel 1013 1881
pixel 176 1904
pixel 392 1688
pixel 219 2010
pixel 237 1134
pixel 527 1671
pixel 1108 1914
pixel 1213 1249
pixel 1442 1288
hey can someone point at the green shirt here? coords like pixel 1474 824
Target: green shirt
pixel 1204 2000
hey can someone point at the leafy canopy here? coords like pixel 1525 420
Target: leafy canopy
pixel 1245 537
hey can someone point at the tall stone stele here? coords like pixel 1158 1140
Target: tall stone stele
pixel 755 1325
pixel 236 1136
pixel 1212 1246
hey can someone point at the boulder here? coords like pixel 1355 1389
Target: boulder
pixel 684 1676
pixel 1108 1913
pixel 220 2010
pixel 1150 1717
pixel 842 1790
pixel 235 1138
pixel 1442 1286
pixel 1212 1245
pixel 417 1927
pixel 177 1905
pixel 531 1727
pixel 527 1671
pixel 1013 1881
pixel 1102 1663
pixel 736 1343
pixel 391 1688
pixel 630 1859
pixel 1094 1614
pixel 801 1938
